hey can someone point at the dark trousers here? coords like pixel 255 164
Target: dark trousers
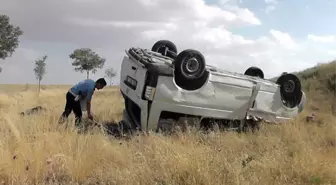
pixel 72 105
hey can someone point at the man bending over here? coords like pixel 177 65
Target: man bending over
pixel 82 90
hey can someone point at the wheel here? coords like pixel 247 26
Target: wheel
pixel 254 71
pixel 190 64
pixel 290 89
pixel 189 70
pixel 163 46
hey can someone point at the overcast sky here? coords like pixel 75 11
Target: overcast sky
pixel 275 35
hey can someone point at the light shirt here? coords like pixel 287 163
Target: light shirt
pixel 86 87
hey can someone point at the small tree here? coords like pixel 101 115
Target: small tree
pixel 9 37
pixel 110 73
pixel 86 60
pixel 40 69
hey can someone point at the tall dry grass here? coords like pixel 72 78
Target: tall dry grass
pixel 36 150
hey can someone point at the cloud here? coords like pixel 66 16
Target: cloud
pixel 21 62
pixel 270 5
pixel 284 39
pixel 323 39
pixel 109 27
pixel 332 52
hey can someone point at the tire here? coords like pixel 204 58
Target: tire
pixel 254 71
pixel 290 89
pixel 161 46
pixel 189 64
pixel 186 78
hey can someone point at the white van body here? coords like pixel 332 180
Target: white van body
pixel 224 96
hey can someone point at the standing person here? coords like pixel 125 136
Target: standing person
pixel 82 90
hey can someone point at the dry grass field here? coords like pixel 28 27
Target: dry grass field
pixel 36 150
